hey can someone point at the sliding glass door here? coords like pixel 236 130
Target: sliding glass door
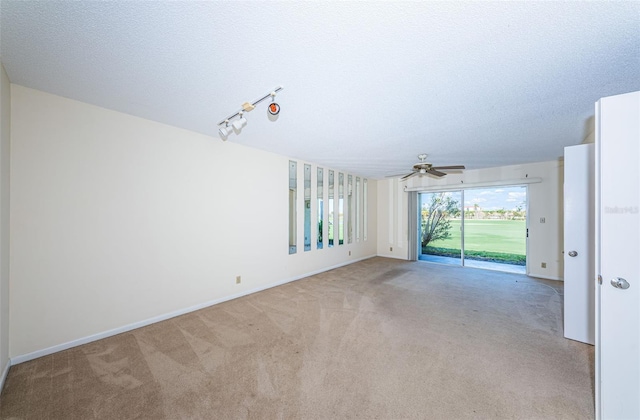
pixel 495 228
pixel 483 228
pixel 440 224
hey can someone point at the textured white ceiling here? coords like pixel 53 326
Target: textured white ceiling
pixel 368 85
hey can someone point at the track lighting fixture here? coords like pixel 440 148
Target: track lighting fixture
pixel 274 108
pixel 240 121
pixel 225 131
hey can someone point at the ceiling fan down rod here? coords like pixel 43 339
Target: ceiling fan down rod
pixel 253 104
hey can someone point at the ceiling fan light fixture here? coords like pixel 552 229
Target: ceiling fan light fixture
pixel 425 168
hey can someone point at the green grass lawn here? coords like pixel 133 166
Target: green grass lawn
pixel 502 236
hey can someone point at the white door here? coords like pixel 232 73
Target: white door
pixel 579 231
pixel 618 257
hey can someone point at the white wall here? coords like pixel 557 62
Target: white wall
pixel 5 131
pixel 393 214
pixel 544 198
pixel 116 220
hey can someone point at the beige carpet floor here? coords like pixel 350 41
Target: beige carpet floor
pixel 379 339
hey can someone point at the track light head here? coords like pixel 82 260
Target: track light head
pixel 239 123
pixel 225 131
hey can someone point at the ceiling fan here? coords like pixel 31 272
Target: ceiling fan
pixel 423 167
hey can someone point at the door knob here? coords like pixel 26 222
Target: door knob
pixel 573 254
pixel 619 283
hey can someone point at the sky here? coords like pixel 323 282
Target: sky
pixel 508 198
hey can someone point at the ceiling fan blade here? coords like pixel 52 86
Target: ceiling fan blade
pixel 436 173
pixel 407 176
pixel 396 175
pixel 448 167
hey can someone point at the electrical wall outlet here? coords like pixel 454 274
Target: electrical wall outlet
pixel 543 265
pixel 543 220
pixel 238 279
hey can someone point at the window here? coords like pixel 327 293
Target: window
pixel 293 187
pixel 307 207
pixel 364 210
pixel 350 209
pixel 358 209
pixel 320 194
pixel 340 208
pixel 331 232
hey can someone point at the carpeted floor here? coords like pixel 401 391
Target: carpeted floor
pixel 379 339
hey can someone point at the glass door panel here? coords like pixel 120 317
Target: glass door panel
pixel 495 228
pixel 440 227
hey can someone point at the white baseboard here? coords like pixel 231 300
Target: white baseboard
pixel 538 276
pixel 99 336
pixel 393 256
pixel 5 372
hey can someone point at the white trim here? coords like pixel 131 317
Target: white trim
pixel 99 336
pixel 5 372
pixel 460 186
pixel 597 253
pixel 396 257
pixel 545 277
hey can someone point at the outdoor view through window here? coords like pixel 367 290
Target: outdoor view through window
pixel 492 222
